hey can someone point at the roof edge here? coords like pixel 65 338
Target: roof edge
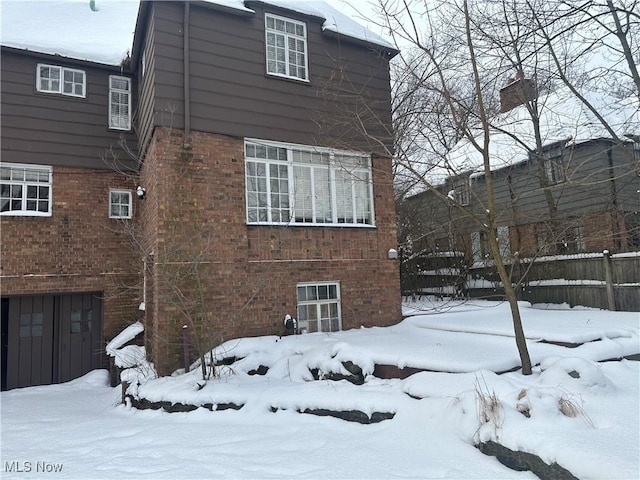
pixel 69 60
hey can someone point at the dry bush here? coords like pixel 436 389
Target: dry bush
pixel 488 406
pixel 570 408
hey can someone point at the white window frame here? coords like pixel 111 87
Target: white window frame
pixel 14 175
pixel 61 80
pixel 278 199
pixel 123 120
pixel 286 37
pixel 129 203
pixel 323 307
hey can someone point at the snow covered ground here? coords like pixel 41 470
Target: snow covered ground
pixel 574 410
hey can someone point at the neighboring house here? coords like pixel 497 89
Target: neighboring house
pixel 580 194
pixel 220 172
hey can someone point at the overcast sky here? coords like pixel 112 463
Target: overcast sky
pixel 363 12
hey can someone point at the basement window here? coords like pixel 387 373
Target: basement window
pixel 319 307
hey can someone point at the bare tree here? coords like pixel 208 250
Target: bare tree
pixel 460 54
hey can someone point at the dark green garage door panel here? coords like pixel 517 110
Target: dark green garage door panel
pixel 80 335
pixel 51 338
pixel 30 341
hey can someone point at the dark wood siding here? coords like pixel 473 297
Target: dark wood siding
pixel 144 119
pixel 594 186
pixel 231 93
pixel 588 188
pixel 56 129
pixel 627 177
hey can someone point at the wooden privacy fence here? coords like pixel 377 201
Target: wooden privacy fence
pixel 593 280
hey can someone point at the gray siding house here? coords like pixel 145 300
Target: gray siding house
pixel 227 167
pixel 578 195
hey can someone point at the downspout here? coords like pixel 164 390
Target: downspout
pixel 185 69
pixel 143 305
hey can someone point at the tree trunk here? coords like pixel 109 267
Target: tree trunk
pixel 512 298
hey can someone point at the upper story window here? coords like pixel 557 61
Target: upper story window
pixel 303 185
pixel 460 192
pixel 56 79
pixel 119 103
pixel 119 204
pixel 286 47
pixel 554 165
pixel 25 190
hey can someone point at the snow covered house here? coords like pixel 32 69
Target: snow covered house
pixel 211 164
pixel 579 194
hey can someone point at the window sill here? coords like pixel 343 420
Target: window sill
pixel 25 214
pixel 298 81
pixel 61 95
pixel 312 225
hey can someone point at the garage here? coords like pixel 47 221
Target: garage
pixel 50 338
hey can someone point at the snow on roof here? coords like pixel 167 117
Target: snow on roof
pixel 102 31
pixel 71 28
pixel 563 117
pixel 335 21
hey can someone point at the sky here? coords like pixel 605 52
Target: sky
pixel 574 409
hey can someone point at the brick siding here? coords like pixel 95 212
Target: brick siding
pixel 77 249
pixel 193 221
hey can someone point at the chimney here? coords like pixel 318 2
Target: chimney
pixel 517 92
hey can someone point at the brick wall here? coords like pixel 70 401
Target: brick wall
pixel 77 249
pixel 193 221
pixel 605 231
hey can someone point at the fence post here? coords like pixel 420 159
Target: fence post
pixel 608 277
pixel 185 347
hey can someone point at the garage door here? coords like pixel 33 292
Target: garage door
pixel 50 339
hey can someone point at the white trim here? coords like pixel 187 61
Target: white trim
pixel 23 212
pixel 333 165
pixel 130 203
pixel 127 118
pixel 60 89
pixel 302 146
pixel 286 36
pixel 303 325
